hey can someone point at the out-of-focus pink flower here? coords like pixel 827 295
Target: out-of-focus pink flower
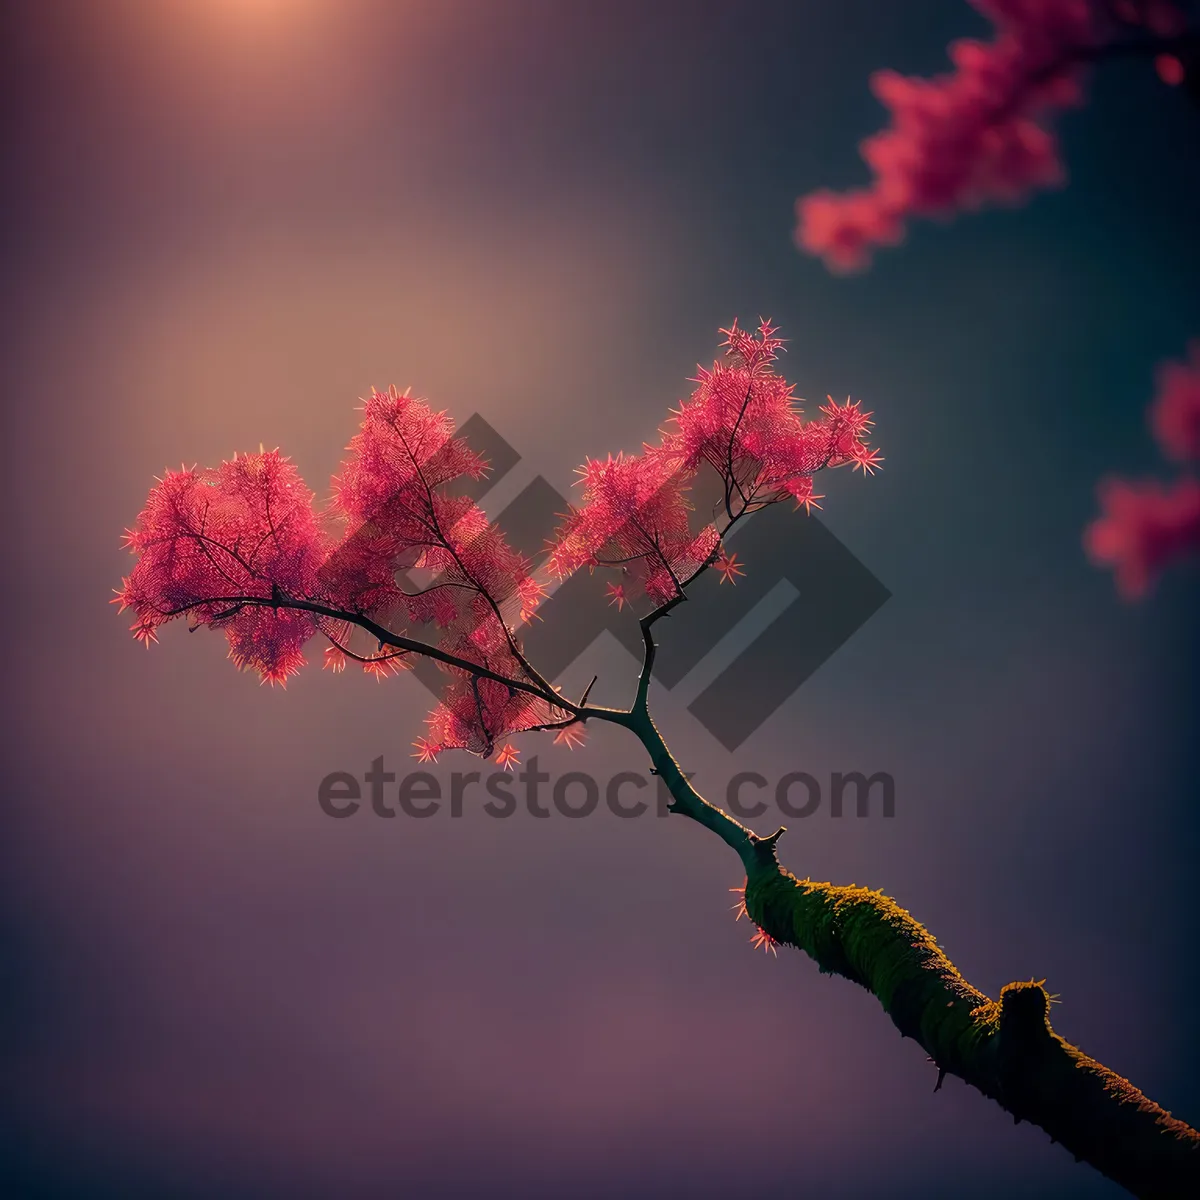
pixel 1170 69
pixel 842 228
pixel 1143 527
pixel 1163 18
pixel 979 134
pixel 1175 414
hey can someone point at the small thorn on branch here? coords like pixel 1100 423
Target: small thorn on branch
pixel 764 847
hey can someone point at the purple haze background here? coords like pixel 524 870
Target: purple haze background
pixel 226 221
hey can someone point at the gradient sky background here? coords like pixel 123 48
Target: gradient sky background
pixel 227 220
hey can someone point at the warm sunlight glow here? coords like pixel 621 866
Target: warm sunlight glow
pixel 262 23
pixel 266 9
pixel 276 22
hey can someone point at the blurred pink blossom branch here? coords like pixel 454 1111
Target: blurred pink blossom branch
pixel 981 134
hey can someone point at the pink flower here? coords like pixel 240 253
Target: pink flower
pixel 571 736
pixel 1175 413
pixel 217 545
pixel 1143 527
pixel 401 558
pixel 427 751
pixel 728 567
pixel 973 136
pixel 762 940
pixel 1170 70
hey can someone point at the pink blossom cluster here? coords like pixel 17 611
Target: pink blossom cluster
pixel 400 563
pixel 242 549
pixel 209 540
pixel 743 424
pixel 1175 413
pixel 979 134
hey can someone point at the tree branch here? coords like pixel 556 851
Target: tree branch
pixel 646 624
pixel 1005 1049
pixel 749 846
pixel 399 641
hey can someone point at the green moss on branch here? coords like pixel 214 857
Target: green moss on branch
pixel 1005 1048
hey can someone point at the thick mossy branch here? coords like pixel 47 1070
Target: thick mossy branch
pixel 1006 1048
